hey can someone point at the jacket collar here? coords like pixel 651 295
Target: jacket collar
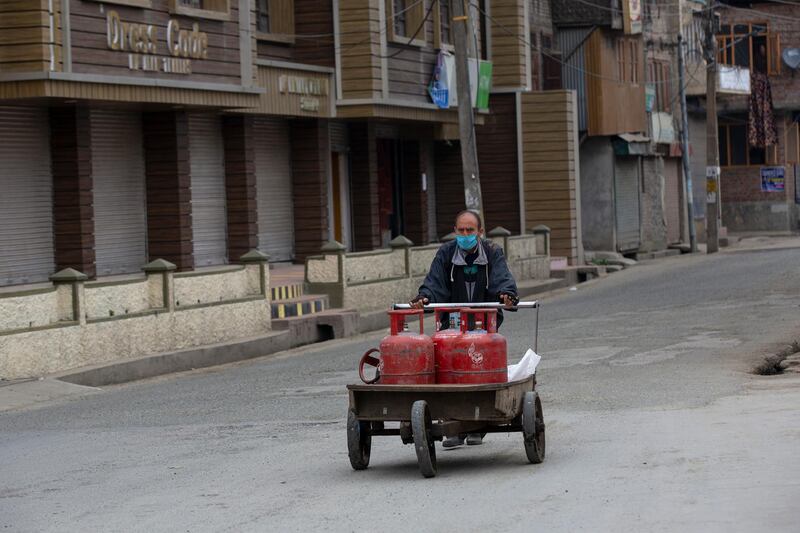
pixel 459 255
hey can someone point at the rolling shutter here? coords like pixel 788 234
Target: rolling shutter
pixel 207 167
pixel 274 189
pixel 120 222
pixel 626 204
pixel 26 192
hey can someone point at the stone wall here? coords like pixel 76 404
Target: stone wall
pixel 370 281
pixel 74 323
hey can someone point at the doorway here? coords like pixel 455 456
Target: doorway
pixel 390 190
pixel 339 205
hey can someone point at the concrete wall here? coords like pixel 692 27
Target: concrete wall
pixel 697 160
pixel 597 194
pixel 76 323
pixel 370 281
pixel 653 219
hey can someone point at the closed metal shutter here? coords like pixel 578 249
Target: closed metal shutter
pixel 672 200
pixel 26 193
pixel 209 213
pixel 120 222
pixel 626 188
pixel 274 189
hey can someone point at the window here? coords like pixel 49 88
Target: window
pixel 209 9
pixel 262 16
pixel 660 72
pixel 749 46
pixel 734 149
pixel 275 20
pixel 551 63
pixel 442 20
pixel 484 30
pixel 405 21
pixel 627 52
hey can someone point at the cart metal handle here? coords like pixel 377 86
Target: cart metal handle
pixel 474 305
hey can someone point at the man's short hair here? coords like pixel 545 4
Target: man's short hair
pixel 469 212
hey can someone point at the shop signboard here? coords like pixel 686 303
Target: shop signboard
pixel 773 179
pixel 155 41
pixel 632 16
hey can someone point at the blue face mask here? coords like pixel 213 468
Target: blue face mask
pixel 467 242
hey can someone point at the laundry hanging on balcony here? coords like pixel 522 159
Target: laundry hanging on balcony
pixel 761 130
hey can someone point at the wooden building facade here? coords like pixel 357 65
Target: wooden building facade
pixel 142 129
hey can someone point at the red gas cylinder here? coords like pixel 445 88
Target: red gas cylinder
pixel 406 358
pixel 479 355
pixel 444 341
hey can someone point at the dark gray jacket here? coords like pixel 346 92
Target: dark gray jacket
pixel 437 286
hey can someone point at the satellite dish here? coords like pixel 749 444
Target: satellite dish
pixel 791 56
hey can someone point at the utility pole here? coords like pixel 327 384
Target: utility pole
pixel 687 168
pixel 712 142
pixel 465 48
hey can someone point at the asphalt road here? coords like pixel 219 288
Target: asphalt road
pixel 654 423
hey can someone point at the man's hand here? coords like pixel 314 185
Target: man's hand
pixel 418 302
pixel 508 300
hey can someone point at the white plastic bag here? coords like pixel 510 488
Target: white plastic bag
pixel 526 366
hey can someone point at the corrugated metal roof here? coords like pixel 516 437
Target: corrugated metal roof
pixel 571 43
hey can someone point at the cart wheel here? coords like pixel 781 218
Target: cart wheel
pixel 533 427
pixel 359 441
pixel 423 443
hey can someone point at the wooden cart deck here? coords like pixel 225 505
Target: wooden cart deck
pixel 496 403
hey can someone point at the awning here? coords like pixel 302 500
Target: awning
pixel 631 144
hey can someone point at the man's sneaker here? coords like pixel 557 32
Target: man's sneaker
pixel 452 442
pixel 474 439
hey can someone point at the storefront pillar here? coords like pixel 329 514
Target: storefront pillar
pixel 364 188
pixel 71 156
pixel 169 207
pixel 311 167
pixel 240 185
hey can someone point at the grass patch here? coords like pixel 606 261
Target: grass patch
pixel 772 365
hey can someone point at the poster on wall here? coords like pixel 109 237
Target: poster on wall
pixel 773 179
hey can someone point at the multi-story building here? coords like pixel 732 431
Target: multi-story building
pixel 758 133
pixel 621 60
pixel 183 134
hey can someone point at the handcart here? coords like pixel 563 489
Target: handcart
pixel 429 413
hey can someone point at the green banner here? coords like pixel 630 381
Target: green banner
pixel 484 84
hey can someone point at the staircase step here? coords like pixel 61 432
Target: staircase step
pixel 300 306
pixel 286 292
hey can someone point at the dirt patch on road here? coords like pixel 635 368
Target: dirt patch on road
pixel 787 359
